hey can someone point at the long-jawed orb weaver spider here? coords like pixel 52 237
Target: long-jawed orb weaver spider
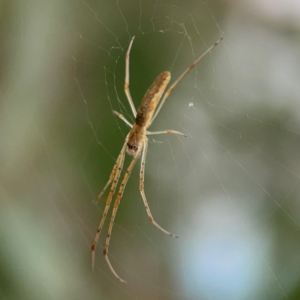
pixel 136 143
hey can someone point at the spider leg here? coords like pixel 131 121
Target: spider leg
pixel 115 208
pixel 111 177
pixel 114 177
pixel 126 85
pixel 165 131
pixel 171 88
pixel 141 188
pixel 122 118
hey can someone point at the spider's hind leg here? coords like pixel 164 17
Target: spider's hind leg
pixel 166 131
pixel 122 118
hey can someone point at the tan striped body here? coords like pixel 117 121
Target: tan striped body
pixel 136 144
pixel 145 112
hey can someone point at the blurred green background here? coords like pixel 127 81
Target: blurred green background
pixel 230 190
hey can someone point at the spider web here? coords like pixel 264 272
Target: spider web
pixel 230 190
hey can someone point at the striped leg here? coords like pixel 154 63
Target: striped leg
pixel 141 187
pixel 171 88
pixel 114 178
pixel 165 131
pixel 122 118
pixel 115 208
pixel 126 85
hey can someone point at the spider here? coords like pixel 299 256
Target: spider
pixel 136 144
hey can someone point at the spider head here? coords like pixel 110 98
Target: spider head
pixel 132 148
pixel 135 139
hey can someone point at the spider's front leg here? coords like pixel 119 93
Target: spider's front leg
pixel 141 188
pixel 115 208
pixel 113 178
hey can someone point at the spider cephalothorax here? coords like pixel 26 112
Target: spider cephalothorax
pixel 135 139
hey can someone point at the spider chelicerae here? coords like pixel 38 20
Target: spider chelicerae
pixel 136 144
